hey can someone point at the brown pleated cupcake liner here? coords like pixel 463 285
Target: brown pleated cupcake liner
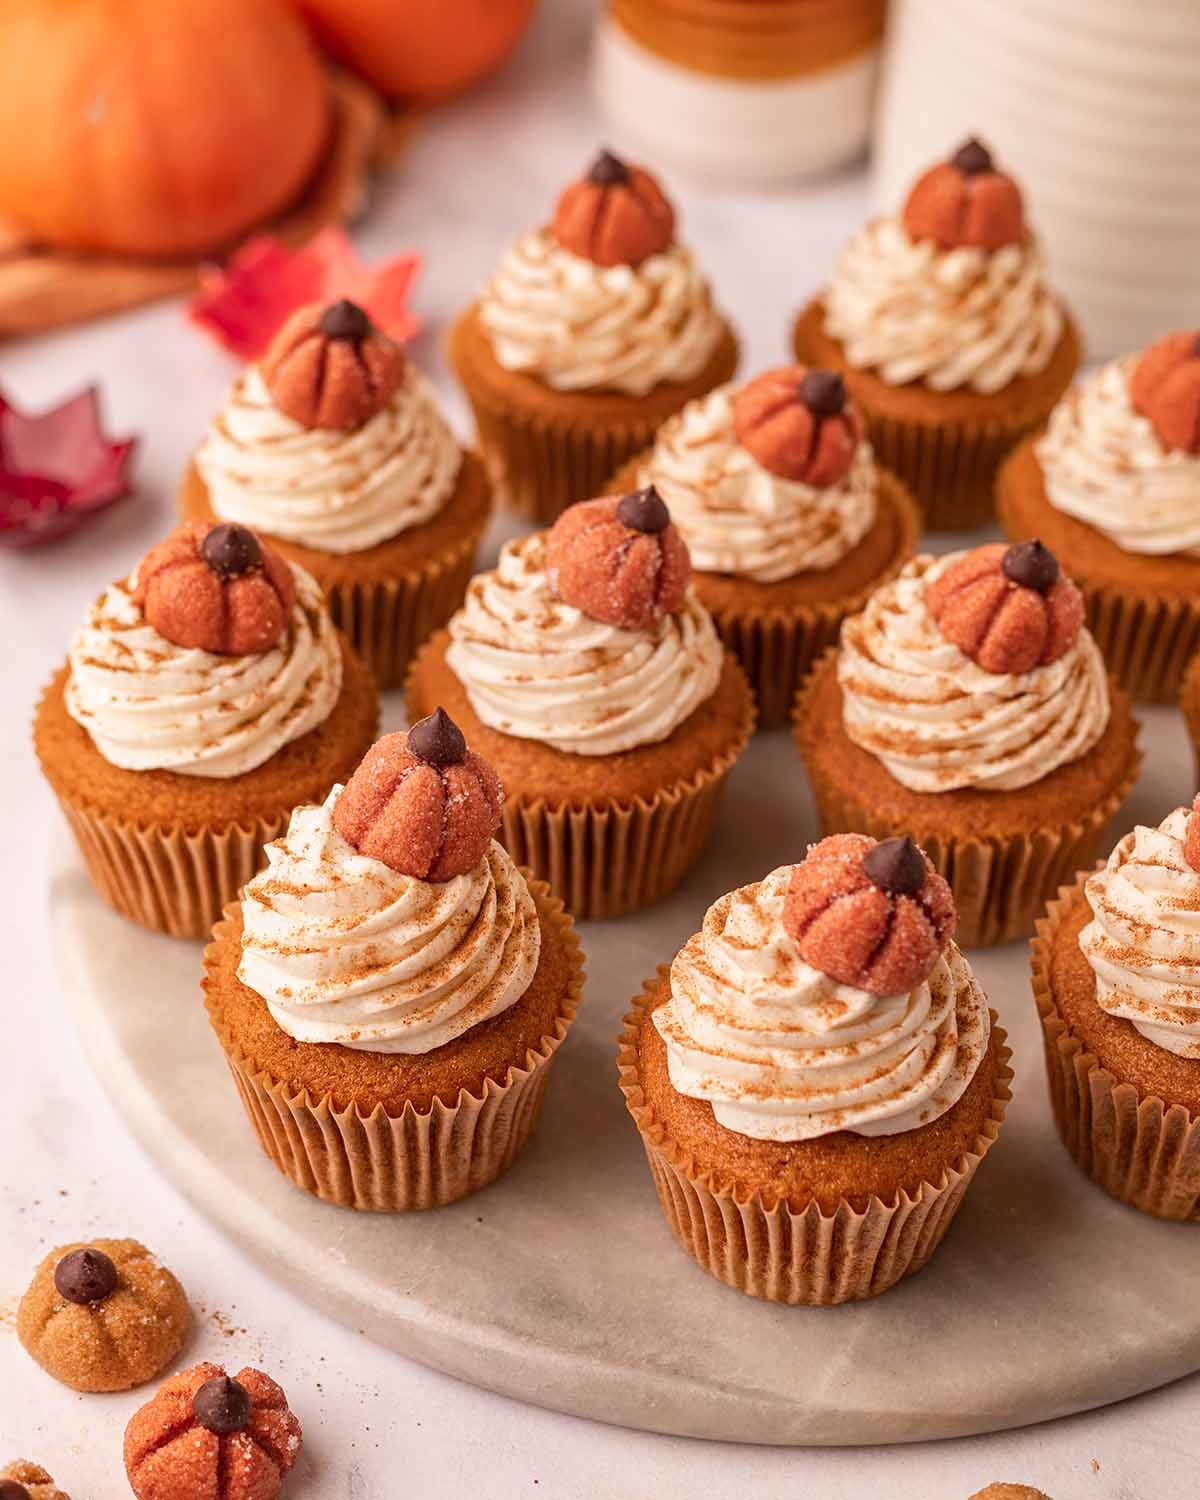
pixel 420 1159
pixel 1001 882
pixel 800 1256
pixel 387 620
pixel 539 464
pixel 606 859
pixel 950 466
pixel 165 878
pixel 1139 1149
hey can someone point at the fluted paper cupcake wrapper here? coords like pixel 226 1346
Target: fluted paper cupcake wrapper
pixel 165 878
pixel 420 1159
pixel 801 1256
pixel 1001 882
pixel 539 464
pixel 605 859
pixel 388 620
pixel 778 647
pixel 950 466
pixel 1138 1148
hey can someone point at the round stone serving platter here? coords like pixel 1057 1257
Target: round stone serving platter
pixel 561 1284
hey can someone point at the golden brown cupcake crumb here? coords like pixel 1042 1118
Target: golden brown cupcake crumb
pixel 23 1480
pixel 1010 1492
pixel 103 1315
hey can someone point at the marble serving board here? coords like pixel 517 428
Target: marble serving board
pixel 561 1285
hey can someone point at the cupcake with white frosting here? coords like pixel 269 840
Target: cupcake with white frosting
pixel 819 1067
pixel 1116 976
pixel 969 704
pixel 391 990
pixel 591 332
pixel 1113 482
pixel 790 521
pixel 203 697
pixel 589 673
pixel 334 447
pixel 942 320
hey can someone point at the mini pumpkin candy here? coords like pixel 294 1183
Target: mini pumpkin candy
pixel 966 201
pixel 1009 609
pixel 23 1480
pixel 1165 388
pixel 421 802
pixel 331 367
pixel 799 424
pixel 103 1316
pixel 216 587
pixel 615 216
pixel 873 915
pixel 209 1434
pixel 619 559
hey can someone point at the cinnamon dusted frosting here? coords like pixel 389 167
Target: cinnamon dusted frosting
pixel 538 668
pixel 1104 464
pixel 1143 941
pixel 345 949
pixel 577 326
pixel 937 721
pixel 338 491
pixel 736 516
pixel 972 318
pixel 149 704
pixel 783 1053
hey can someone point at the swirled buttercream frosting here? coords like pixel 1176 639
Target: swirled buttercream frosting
pixel 736 516
pixel 783 1053
pixel 345 949
pixel 1104 464
pixel 1143 942
pixel 538 668
pixel 150 705
pixel 952 319
pixel 577 326
pixel 937 721
pixel 337 491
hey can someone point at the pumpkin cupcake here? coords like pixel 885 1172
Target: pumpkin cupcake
pixel 594 329
pixel 1113 483
pixel 588 672
pixel 942 322
pixel 969 704
pixel 390 991
pixel 790 522
pixel 1116 976
pixel 817 1076
pixel 334 448
pixel 204 697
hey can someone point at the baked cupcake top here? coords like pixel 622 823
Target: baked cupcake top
pixel 768 479
pixel 388 919
pixel 334 441
pixel 603 298
pixel 974 670
pixel 588 637
pixel 1122 449
pixel 210 657
pixel 1143 941
pixel 827 997
pixel 951 291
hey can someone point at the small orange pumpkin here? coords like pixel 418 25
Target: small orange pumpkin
pixel 1165 387
pixel 615 216
pixel 619 559
pixel 966 201
pixel 155 127
pixel 799 423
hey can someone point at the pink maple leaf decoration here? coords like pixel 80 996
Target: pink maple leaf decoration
pixel 245 302
pixel 57 469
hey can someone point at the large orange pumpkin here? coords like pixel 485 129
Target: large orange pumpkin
pixel 155 127
pixel 419 50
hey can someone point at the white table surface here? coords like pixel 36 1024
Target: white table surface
pixel 376 1426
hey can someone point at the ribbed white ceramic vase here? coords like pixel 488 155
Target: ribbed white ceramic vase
pixel 1095 106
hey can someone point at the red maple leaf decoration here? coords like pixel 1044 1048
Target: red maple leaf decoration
pixel 243 303
pixel 57 468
